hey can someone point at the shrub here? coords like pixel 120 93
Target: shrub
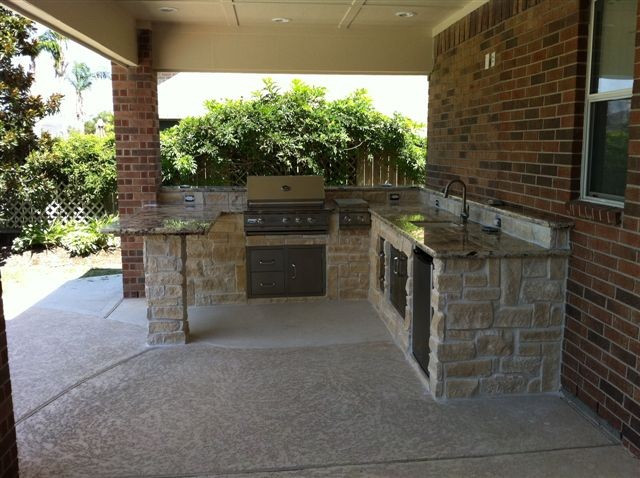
pixel 84 164
pixel 78 238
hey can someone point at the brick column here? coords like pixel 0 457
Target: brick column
pixel 8 448
pixel 135 109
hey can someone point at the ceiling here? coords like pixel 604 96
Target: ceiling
pixel 320 36
pixel 332 13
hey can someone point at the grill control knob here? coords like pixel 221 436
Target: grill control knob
pixel 311 220
pixel 298 220
pixel 346 219
pixel 285 220
pixel 259 220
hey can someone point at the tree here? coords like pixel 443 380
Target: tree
pixel 19 109
pixel 81 79
pixel 54 44
pixel 107 121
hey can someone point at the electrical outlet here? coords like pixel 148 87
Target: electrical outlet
pixel 492 62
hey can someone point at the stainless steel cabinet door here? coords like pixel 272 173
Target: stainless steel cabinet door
pixel 305 270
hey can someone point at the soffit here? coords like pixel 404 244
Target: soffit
pixel 320 13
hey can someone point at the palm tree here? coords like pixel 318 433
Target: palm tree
pixel 54 44
pixel 81 79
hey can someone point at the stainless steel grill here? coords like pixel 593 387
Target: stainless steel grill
pixel 353 213
pixel 286 205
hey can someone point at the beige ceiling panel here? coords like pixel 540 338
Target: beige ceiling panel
pixel 255 14
pixel 209 12
pixel 452 4
pixel 383 15
pixel 294 2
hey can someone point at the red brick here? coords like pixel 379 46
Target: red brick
pixel 537 122
pixel 8 450
pixel 137 152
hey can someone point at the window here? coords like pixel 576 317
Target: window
pixel 608 100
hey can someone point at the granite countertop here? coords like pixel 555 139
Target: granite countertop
pixel 443 235
pixel 166 219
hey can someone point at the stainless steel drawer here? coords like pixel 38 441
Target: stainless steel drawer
pixel 266 260
pixel 267 283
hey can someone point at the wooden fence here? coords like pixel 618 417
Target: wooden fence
pixel 377 171
pixel 360 170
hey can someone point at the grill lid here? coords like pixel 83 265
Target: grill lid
pixel 278 191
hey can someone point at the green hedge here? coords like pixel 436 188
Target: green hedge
pixel 294 132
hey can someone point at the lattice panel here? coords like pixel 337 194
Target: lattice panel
pixel 62 208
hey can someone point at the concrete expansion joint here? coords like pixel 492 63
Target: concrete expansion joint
pixel 328 466
pixel 82 381
pixel 206 345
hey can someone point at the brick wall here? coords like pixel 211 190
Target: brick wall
pixel 8 449
pixel 514 132
pixel 135 107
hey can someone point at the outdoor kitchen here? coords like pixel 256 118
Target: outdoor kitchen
pixel 473 294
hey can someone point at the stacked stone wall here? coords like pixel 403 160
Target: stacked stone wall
pixel 497 325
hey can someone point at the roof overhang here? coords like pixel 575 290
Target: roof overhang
pixel 332 36
pixel 101 26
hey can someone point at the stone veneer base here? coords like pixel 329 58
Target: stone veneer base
pixel 497 323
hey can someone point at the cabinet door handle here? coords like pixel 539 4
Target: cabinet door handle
pixel 395 265
pixel 267 284
pixel 264 263
pixel 295 272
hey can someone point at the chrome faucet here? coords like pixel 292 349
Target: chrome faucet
pixel 464 214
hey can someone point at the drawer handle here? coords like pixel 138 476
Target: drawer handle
pixel 265 263
pixel 267 284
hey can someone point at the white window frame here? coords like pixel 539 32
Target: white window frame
pixel 591 98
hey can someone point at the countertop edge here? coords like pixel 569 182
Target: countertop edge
pixel 161 231
pixel 481 255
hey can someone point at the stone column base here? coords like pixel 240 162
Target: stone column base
pixel 165 259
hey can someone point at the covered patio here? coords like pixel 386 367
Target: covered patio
pixel 547 320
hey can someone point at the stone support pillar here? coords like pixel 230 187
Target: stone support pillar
pixel 166 289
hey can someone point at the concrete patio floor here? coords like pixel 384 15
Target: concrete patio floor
pixel 294 398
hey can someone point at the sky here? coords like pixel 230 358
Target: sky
pixel 184 94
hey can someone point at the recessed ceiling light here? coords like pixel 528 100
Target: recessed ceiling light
pixel 168 9
pixel 280 20
pixel 405 14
